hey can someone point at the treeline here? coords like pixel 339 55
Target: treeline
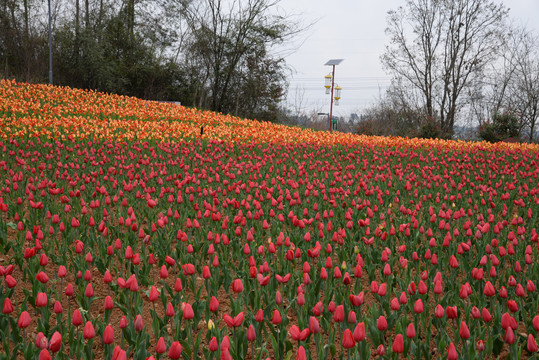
pixel 458 63
pixel 213 54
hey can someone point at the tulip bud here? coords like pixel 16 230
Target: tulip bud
pixel 213 345
pixel 8 306
pixel 139 325
pixel 398 344
pixel 348 339
pixel 108 335
pixel 161 347
pixel 251 334
pixel 314 326
pixel 381 323
pixel 123 322
pixel 56 342
pixel 480 345
pixel 452 352
pixel 175 350
pixel 88 331
pixel 531 344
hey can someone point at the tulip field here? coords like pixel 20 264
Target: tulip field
pixel 134 229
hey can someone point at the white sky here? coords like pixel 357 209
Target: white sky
pixel 353 30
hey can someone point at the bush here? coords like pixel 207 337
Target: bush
pixel 429 130
pixel 501 127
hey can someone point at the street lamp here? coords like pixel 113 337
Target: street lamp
pixel 328 83
pixel 332 63
pixel 337 94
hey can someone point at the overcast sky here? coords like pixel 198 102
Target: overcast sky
pixel 353 30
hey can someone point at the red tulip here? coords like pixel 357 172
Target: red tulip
pixel 259 317
pixel 8 306
pixel 24 320
pixel 512 305
pixel 452 352
pixel 359 332
pixel 123 322
pixel 381 323
pixel 418 306
pixel 163 273
pixel 10 281
pixel 42 277
pixel 234 322
pixel 338 315
pixel 108 335
pixel 531 344
pixel 89 292
pixel 251 334
pixel 480 346
pixel 206 274
pixel 237 286
pixel 509 336
pixel 175 351
pixel 214 304
pixel 486 315
pixel 108 303
pixel 398 344
pixel 297 334
pixel 410 331
pixel 139 325
pixel 276 318
pixel 188 312
pixel 44 355
pixel 69 290
pixel 225 343
pixel 213 345
pixel 535 322
pixel 301 355
pixel 119 354
pixel 161 347
pixel 348 339
pixel 41 341
pixel 314 326
pixel 76 319
pixel 357 300
pixel 88 331
pixel 154 294
pixel 451 312
pixel 178 287
pixel 464 332
pixel 41 300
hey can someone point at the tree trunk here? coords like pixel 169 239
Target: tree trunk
pixel 131 17
pixel 77 31
pixel 87 13
pixel 26 41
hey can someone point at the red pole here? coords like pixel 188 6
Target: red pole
pixel 331 106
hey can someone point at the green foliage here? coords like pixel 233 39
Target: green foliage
pixel 220 63
pixel 429 130
pixel 502 126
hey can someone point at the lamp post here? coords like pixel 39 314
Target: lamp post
pixel 331 78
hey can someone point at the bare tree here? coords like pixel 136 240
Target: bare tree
pixel 511 85
pixel 225 37
pixel 524 85
pixel 440 46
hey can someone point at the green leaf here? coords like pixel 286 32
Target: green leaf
pixel 497 348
